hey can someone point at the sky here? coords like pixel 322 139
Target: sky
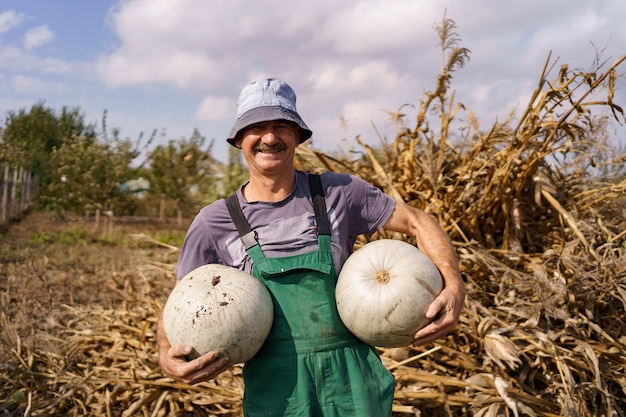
pixel 179 65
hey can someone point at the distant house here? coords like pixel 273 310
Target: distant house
pixel 138 187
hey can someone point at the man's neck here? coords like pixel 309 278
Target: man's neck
pixel 270 189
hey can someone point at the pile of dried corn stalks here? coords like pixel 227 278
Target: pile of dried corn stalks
pixel 541 245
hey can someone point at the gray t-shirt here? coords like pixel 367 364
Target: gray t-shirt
pixel 287 227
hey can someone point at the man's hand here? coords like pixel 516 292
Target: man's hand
pixel 445 309
pixel 174 363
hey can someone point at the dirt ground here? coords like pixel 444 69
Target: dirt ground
pixel 46 261
pixel 79 304
pixel 49 266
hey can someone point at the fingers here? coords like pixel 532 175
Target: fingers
pixel 179 352
pixel 204 368
pixel 433 331
pixel 433 308
pixel 175 364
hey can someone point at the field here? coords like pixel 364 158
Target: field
pixel 79 307
pixel 535 206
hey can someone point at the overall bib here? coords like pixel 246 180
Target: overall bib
pixel 310 365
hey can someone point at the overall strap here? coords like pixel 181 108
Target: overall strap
pixel 248 236
pixel 319 205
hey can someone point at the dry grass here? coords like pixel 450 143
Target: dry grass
pixel 541 241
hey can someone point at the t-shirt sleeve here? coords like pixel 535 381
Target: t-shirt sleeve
pixel 196 250
pixel 210 239
pixel 368 208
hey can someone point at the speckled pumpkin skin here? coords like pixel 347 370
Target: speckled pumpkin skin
pixel 219 308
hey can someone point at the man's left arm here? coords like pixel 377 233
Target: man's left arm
pixel 432 240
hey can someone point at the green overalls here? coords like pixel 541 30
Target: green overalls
pixel 310 365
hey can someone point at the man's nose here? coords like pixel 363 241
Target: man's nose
pixel 269 135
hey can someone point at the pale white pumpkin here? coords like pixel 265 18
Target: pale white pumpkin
pixel 219 308
pixel 383 291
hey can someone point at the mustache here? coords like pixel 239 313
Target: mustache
pixel 277 147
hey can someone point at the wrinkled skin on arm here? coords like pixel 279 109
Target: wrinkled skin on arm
pixel 446 308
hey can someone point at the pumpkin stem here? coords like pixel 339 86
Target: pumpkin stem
pixel 382 277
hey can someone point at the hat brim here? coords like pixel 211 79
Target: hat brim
pixel 266 114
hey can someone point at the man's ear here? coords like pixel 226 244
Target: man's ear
pixel 298 132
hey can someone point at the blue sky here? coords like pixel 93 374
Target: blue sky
pixel 176 65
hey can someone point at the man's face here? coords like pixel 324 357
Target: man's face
pixel 269 146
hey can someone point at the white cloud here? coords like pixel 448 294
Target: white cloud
pixel 17 59
pixel 339 79
pixel 36 86
pixel 21 59
pixel 217 108
pixel 38 36
pixel 181 68
pixel 10 19
pixel 4 84
pixel 167 42
pixel 373 27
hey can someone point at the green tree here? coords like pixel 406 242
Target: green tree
pixel 182 172
pixel 87 173
pixel 235 173
pixel 32 135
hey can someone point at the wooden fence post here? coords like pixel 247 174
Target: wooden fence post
pixel 4 215
pixel 97 220
pixel 13 205
pixel 18 190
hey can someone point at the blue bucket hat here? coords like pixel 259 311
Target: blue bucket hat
pixel 266 100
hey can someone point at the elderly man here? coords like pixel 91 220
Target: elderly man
pixel 293 231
